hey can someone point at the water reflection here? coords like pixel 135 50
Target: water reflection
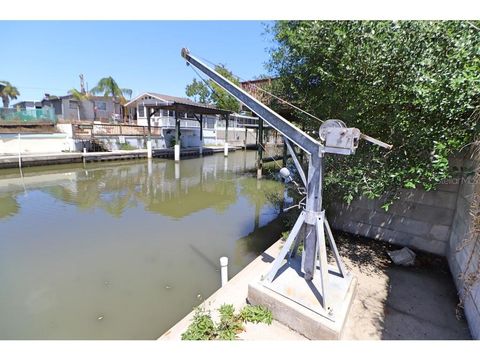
pixel 121 250
pixel 203 183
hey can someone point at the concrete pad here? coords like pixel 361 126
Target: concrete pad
pixel 392 302
pixel 296 302
pixel 397 302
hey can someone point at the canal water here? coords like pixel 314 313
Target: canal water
pixel 123 250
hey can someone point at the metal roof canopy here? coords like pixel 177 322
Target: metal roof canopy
pixel 154 102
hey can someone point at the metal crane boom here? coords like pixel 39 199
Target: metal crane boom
pixel 335 138
pixel 290 131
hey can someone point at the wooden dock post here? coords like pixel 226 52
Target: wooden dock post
pixel 260 149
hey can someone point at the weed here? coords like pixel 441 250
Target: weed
pixel 204 328
pixel 201 328
pixel 256 314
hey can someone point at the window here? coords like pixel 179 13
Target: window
pixel 141 111
pixel 72 104
pixel 101 105
pixel 210 123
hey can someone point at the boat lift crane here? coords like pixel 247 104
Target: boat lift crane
pixel 335 138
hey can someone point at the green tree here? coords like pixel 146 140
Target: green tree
pixel 414 84
pixel 198 91
pixel 214 94
pixel 9 92
pixel 109 87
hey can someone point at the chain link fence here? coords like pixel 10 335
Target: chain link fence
pixel 26 116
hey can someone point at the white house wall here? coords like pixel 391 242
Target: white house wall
pixel 10 144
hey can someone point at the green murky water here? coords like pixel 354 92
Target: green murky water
pixel 122 250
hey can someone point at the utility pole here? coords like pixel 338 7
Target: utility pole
pixel 82 84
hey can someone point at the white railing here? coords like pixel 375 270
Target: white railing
pixel 239 122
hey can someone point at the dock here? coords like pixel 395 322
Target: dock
pixel 27 160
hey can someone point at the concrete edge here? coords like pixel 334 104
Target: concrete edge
pixel 235 290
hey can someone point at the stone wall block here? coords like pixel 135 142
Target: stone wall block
pixel 410 226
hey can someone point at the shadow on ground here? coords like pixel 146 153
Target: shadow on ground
pixel 399 303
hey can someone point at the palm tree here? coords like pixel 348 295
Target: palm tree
pixel 109 87
pixel 9 92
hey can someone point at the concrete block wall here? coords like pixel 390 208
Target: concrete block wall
pixel 437 222
pixel 419 219
pixel 464 257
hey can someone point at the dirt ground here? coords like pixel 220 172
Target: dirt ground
pixel 396 302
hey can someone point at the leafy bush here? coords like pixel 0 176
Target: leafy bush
pixel 414 84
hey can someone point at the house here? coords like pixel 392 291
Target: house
pixel 254 88
pixel 191 122
pixel 27 105
pixel 96 108
pixel 262 89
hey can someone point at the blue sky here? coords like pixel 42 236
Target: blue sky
pixel 47 57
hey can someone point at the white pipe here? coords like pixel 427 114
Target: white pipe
pixel 224 270
pixel 225 149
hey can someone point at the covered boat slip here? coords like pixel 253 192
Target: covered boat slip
pixel 155 103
